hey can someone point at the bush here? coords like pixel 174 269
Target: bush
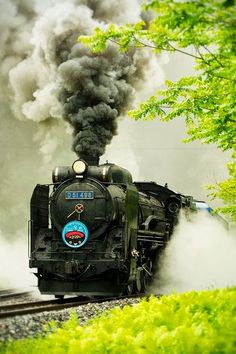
pixel 193 322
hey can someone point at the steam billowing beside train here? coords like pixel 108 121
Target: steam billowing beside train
pixel 97 232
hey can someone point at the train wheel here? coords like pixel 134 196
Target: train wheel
pixel 144 282
pixel 147 274
pixel 129 289
pixel 59 297
pixel 139 280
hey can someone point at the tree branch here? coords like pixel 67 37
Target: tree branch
pixel 183 52
pixel 167 49
pixel 200 57
pixel 214 56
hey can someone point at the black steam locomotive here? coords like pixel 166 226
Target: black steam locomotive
pixel 94 231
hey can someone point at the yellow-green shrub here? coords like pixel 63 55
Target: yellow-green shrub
pixel 193 322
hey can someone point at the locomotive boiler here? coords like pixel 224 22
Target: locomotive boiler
pixel 95 232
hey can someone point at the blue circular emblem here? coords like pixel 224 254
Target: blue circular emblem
pixel 75 234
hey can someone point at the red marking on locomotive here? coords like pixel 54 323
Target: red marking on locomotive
pixel 71 234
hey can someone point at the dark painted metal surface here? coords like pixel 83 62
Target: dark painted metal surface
pixel 128 224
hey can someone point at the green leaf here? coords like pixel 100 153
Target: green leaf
pixel 207 101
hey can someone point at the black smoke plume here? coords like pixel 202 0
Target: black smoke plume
pixel 97 90
pixel 54 79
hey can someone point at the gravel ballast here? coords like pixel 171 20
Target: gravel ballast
pixel 32 325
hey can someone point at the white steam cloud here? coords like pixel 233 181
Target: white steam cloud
pixel 13 256
pixel 37 38
pixel 51 77
pixel 200 255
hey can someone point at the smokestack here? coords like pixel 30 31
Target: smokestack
pixel 91 160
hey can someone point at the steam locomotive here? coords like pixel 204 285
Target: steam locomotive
pixel 95 232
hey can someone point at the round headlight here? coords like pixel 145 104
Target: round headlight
pixel 79 167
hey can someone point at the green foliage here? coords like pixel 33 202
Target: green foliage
pixel 205 30
pixel 227 191
pixel 193 322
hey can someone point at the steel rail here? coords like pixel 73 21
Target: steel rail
pixel 11 293
pixel 52 305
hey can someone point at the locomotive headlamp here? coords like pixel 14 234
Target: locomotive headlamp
pixel 79 167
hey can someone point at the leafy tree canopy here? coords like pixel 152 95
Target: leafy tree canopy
pixel 205 30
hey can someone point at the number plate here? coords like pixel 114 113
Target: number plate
pixel 79 195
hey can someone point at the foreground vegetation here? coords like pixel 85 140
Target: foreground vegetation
pixel 193 322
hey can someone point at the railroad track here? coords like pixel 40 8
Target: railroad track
pixel 50 305
pixel 13 293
